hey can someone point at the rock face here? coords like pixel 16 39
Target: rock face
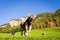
pixel 14 22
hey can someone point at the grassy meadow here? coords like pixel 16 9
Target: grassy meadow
pixel 49 34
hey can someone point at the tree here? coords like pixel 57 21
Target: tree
pixel 58 12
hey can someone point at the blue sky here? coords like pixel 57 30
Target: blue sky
pixel 11 9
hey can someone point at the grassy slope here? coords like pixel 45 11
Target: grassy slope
pixel 50 34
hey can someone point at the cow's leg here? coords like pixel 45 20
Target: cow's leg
pixel 26 30
pixel 22 29
pixel 30 27
pixel 22 33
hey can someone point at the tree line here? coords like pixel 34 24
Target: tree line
pixel 46 20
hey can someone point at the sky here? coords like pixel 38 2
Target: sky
pixel 13 9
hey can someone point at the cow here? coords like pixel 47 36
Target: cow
pixel 26 25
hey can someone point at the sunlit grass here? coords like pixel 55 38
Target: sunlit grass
pixel 50 34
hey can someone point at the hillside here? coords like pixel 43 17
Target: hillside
pixel 43 20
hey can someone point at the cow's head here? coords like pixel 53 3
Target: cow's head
pixel 32 16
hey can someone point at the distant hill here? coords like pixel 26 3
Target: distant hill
pixel 43 20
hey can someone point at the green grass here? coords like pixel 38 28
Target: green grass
pixel 50 34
